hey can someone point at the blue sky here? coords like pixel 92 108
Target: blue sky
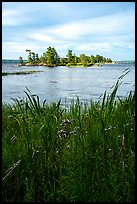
pixel 104 28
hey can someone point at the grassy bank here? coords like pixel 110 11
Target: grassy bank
pixel 83 153
pixel 79 65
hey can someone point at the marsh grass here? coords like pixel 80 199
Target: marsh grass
pixel 20 73
pixel 82 153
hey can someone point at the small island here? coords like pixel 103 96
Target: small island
pixel 50 58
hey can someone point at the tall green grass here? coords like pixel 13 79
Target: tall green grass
pixel 82 153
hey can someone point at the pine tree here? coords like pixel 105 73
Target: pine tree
pixel 70 56
pixel 21 60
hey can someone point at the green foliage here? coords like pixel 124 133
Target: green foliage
pixel 83 59
pixel 108 60
pixel 76 59
pixel 33 57
pixel 79 63
pixel 63 61
pixel 84 152
pixel 51 58
pixel 97 58
pixel 37 60
pixel 21 60
pixel 93 59
pixel 70 56
pixel 30 60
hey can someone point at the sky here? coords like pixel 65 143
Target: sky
pixel 104 28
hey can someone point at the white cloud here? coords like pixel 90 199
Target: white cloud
pixel 104 33
pixel 44 38
pixel 96 34
pixel 19 47
pixel 12 17
pixel 105 26
pixel 94 47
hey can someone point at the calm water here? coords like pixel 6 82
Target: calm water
pixel 66 83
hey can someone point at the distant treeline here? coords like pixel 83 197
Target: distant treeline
pixel 51 58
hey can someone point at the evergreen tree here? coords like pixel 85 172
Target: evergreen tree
pixel 83 59
pixel 104 59
pixel 92 59
pixel 109 60
pixel 37 60
pixel 63 61
pixel 76 59
pixel 52 57
pixel 97 58
pixel 33 57
pixel 30 60
pixel 44 58
pixel 70 56
pixel 21 60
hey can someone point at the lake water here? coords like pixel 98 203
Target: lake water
pixel 65 83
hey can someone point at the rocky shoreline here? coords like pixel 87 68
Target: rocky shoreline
pixel 47 65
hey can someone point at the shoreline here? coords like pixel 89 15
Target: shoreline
pixel 70 66
pixel 95 65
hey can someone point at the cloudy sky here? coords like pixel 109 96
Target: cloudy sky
pixel 104 28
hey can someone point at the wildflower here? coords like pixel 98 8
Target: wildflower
pixel 65 122
pixel 71 133
pixel 109 128
pixel 75 130
pixel 62 133
pixel 86 132
pixel 132 153
pixel 68 146
pixel 57 152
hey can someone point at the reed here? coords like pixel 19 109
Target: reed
pixel 82 153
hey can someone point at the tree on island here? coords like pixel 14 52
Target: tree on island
pixel 43 59
pixel 30 60
pixel 84 59
pixel 63 61
pixel 37 60
pixel 21 60
pixel 51 58
pixel 69 56
pixel 92 59
pixel 108 60
pixel 76 59
pixel 98 58
pixel 33 57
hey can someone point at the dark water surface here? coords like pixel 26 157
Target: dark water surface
pixel 66 83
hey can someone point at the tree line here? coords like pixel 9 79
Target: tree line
pixel 51 58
